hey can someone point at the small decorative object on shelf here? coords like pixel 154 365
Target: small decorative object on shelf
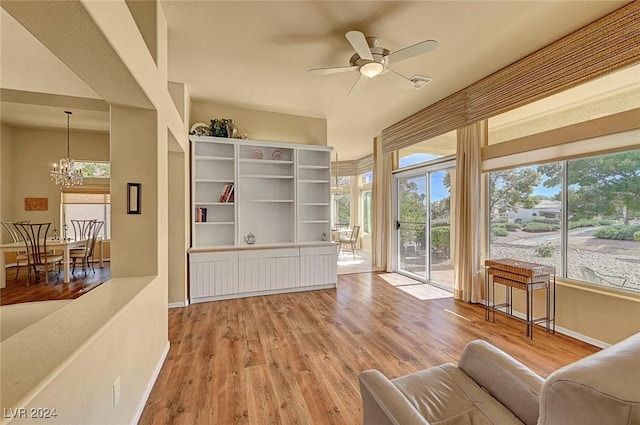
pixel 232 129
pixel 250 239
pixel 277 155
pixel 244 136
pixel 257 154
pixel 219 127
pixel 200 129
pixel 324 237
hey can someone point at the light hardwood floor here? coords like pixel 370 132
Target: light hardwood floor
pixel 17 291
pixel 295 358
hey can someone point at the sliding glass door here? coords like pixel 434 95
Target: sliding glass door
pixel 411 225
pixel 424 223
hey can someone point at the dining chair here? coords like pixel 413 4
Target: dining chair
pixel 82 228
pixel 21 256
pixel 85 255
pixel 350 243
pixel 41 259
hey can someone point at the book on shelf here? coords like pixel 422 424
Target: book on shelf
pixel 229 197
pixel 225 191
pixel 201 215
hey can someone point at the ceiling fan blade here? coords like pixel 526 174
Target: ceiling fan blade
pixel 358 86
pixel 411 51
pixel 359 43
pixel 325 71
pixel 398 80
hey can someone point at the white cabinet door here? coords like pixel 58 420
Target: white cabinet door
pixel 213 274
pixel 318 265
pixel 268 270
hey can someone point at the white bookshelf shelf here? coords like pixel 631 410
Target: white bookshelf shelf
pixel 213 158
pixel 209 223
pixel 314 167
pixel 313 181
pixel 267 200
pixel 313 221
pixel 265 176
pixel 314 204
pixel 214 203
pixel 230 181
pixel 265 161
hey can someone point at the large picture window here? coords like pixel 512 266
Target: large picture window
pixel 87 206
pixel 597 238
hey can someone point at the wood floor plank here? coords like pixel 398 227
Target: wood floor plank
pixel 17 291
pixel 295 358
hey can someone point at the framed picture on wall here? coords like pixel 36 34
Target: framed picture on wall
pixel 134 198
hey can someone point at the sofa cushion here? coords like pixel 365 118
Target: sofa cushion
pixel 445 395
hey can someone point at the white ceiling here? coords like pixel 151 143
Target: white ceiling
pixel 256 55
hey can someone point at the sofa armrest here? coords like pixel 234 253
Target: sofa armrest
pixel 507 380
pixel 384 404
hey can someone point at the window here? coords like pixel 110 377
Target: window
pixel 366 211
pixel 95 169
pixel 601 225
pixel 85 206
pixel 341 210
pixel 434 148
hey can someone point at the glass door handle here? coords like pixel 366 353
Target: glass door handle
pixel 397 224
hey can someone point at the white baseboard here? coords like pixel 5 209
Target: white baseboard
pixel 150 384
pixel 567 332
pixel 177 305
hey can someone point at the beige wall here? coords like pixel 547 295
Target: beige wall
pixel 178 215
pixel 134 153
pixel 6 177
pixel 33 153
pixel 262 125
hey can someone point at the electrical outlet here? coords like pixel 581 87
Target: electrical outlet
pixel 116 392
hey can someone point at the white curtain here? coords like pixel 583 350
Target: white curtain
pixel 470 214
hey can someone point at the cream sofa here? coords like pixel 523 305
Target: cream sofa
pixel 490 387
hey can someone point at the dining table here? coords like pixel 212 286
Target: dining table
pixel 64 245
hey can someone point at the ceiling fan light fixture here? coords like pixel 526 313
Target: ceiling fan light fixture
pixel 371 69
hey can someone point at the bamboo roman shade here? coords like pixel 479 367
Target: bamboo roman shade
pixel 86 198
pixel 606 45
pixel 344 168
pixel 365 164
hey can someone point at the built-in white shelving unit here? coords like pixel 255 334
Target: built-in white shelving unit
pixel 281 196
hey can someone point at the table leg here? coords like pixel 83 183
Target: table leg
pixel 486 294
pixel 527 309
pixel 65 264
pixel 101 264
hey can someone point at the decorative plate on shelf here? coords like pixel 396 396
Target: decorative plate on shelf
pixel 257 154
pixel 200 129
pixel 277 155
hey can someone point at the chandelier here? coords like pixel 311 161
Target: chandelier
pixel 66 174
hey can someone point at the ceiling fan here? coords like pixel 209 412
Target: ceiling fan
pixel 371 61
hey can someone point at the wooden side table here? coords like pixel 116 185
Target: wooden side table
pixel 526 276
